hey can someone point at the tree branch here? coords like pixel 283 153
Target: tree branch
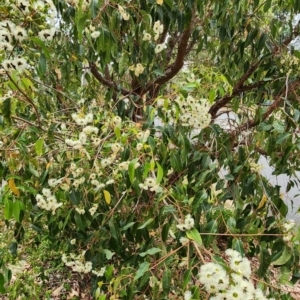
pixel 226 99
pixel 238 88
pixel 107 82
pixel 173 68
pixel 277 102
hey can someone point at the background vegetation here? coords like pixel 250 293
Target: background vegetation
pixel 130 138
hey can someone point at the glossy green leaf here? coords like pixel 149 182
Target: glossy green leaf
pixel 149 221
pixel 144 267
pixel 131 170
pixel 284 258
pixel 194 235
pixel 150 251
pixel 166 280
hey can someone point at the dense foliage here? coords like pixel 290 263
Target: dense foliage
pixel 130 138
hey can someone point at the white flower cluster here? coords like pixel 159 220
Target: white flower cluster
pixel 125 15
pixel 76 263
pixel 82 119
pixel 188 224
pixel 288 230
pixel 143 135
pixel 234 285
pixel 91 30
pixel 138 69
pixel 76 172
pixel 158 29
pixel 47 201
pixel 99 273
pixel 150 184
pixel 98 185
pixel 86 133
pixel 194 112
pixel 93 209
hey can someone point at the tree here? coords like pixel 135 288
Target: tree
pixel 83 84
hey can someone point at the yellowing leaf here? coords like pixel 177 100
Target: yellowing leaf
pixel 12 186
pixel 262 202
pixel 107 196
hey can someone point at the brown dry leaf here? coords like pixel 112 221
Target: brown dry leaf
pixel 72 294
pixel 57 291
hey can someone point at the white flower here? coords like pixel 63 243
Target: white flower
pixel 158 28
pixel 159 48
pixel 189 222
pixel 81 211
pixel 139 69
pixel 123 13
pixel 184 240
pixel 23 5
pixel 5 35
pixel 99 273
pixel 146 36
pixel 117 121
pixel 187 295
pixel 47 34
pixel 124 166
pixel 46 192
pixel 19 64
pixel 235 293
pixel 19 33
pixel 6 46
pixel 73 242
pixel 213 277
pixel 93 209
pixel 95 34
pixel 139 146
pixel 116 147
pixel 289 225
pixel 90 129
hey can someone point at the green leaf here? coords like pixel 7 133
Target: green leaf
pixel 2 283
pixel 108 254
pixel 186 278
pixel 282 138
pixel 39 146
pixel 117 131
pixel 150 251
pixel 74 196
pixel 42 45
pixel 13 248
pixel 42 67
pixel 160 173
pixel 17 207
pixel 8 209
pixel 128 226
pixel 146 223
pixel 144 267
pixel 165 232
pixel 166 281
pixel 33 171
pixel 194 235
pixel 238 246
pixel 229 177
pixel 131 169
pixel 264 260
pixel 284 258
